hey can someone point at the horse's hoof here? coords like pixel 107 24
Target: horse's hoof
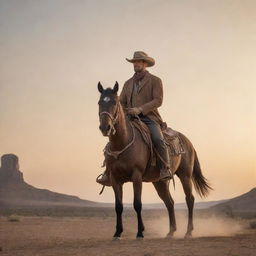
pixel 139 238
pixel 116 238
pixel 170 235
pixel 188 235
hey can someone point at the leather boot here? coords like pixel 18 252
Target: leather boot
pixel 104 179
pixel 165 174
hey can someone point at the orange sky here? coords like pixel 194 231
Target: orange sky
pixel 53 53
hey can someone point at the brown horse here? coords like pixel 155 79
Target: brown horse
pixel 127 159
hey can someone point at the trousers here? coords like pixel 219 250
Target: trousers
pixel 157 139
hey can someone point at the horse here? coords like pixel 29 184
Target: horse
pixel 127 159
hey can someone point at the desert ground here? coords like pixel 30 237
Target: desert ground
pixel 92 235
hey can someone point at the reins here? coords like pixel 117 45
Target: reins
pixel 116 153
pixel 113 119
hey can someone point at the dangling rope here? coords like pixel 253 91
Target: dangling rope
pixel 102 185
pixel 102 190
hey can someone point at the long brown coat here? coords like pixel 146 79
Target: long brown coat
pixel 149 98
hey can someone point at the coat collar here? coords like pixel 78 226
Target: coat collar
pixel 143 81
pixel 131 83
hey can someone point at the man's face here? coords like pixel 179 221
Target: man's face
pixel 139 65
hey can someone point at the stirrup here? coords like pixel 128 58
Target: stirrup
pixel 169 177
pixel 98 180
pixel 103 186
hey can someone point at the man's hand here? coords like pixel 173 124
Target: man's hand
pixel 134 111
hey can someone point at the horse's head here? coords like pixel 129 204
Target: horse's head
pixel 108 109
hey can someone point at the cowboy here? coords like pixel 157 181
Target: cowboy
pixel 141 95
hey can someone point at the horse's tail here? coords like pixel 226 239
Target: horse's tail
pixel 201 184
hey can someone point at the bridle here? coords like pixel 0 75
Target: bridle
pixel 112 118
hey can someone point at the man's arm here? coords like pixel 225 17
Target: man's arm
pixel 157 97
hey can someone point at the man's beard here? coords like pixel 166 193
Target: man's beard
pixel 138 70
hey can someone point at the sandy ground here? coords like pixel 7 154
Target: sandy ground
pixel 93 236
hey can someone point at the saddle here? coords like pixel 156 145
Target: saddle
pixel 171 137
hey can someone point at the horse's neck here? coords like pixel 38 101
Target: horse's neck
pixel 121 137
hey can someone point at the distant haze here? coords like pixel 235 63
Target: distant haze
pixel 54 52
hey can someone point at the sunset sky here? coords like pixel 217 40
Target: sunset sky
pixel 54 52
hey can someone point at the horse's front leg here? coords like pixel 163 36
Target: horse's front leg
pixel 118 190
pixel 137 188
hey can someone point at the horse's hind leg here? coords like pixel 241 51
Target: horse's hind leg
pixel 162 188
pixel 187 187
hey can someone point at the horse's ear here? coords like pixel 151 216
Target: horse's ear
pixel 116 86
pixel 100 88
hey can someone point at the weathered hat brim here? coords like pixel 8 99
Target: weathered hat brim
pixel 149 60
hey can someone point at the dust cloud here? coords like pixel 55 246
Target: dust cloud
pixel 203 226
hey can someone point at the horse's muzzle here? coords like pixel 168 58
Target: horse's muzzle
pixel 105 130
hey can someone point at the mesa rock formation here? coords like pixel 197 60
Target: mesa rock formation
pixel 15 191
pixel 9 170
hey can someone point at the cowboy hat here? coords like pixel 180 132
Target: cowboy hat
pixel 139 55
